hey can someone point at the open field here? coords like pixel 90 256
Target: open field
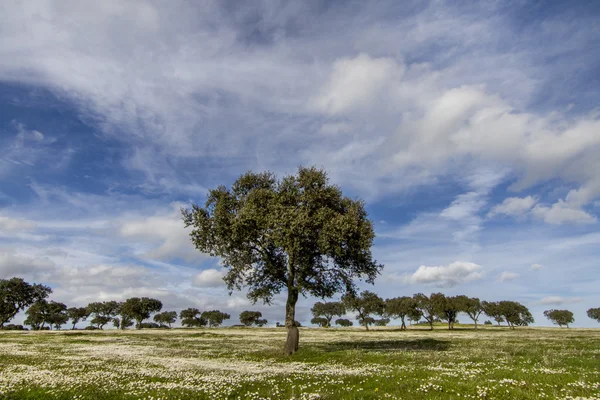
pixel 229 363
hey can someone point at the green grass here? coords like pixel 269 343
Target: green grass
pixel 491 363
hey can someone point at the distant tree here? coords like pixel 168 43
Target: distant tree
pixel 594 313
pixel 37 315
pixel 446 308
pixel 166 318
pixel 426 307
pixel 515 314
pixel 140 308
pixel 401 308
pixel 328 311
pixel 16 295
pixel 382 322
pixel 58 315
pixel 492 309
pixel 488 322
pixel 471 306
pixel 560 317
pixel 125 322
pixel 365 305
pixel 250 318
pixel 298 234
pixel 215 317
pixel 43 312
pixel 77 314
pixel 192 318
pixel 150 325
pixel 103 312
pixel 343 322
pixel 321 321
pixel 415 315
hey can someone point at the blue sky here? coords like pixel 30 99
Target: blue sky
pixel 472 132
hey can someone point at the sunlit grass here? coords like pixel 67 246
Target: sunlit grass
pixel 491 363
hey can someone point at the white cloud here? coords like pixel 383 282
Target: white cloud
pixel 536 267
pixel 161 236
pixel 514 206
pixel 356 83
pixel 507 276
pixel 450 275
pixel 14 264
pixel 209 278
pixel 184 88
pixel 12 225
pixel 558 300
pixel 563 213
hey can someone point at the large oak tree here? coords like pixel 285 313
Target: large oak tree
pixel 298 235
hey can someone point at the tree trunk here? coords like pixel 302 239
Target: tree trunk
pixel 403 327
pixel 293 335
pixel 431 325
pixel 475 323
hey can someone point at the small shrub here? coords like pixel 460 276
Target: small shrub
pixel 90 328
pixel 13 327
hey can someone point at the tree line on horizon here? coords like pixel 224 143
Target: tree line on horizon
pixel 17 295
pixel 433 308
pixel 299 235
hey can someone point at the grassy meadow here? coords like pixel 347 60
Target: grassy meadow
pixel 237 363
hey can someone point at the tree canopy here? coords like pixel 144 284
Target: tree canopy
pixel 515 313
pixel 560 317
pixel 594 313
pixel 471 306
pixel 426 307
pixel 140 308
pixel 402 307
pixel 250 318
pixel 103 312
pixel 77 314
pixel 192 318
pixel 43 312
pixel 16 295
pixel 492 309
pixel 214 317
pixel 365 305
pixel 298 234
pixel 166 318
pixel 446 307
pixel 328 311
pixel 343 322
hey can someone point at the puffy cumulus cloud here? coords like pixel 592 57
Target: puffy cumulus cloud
pixel 355 83
pixel 209 278
pixel 507 276
pixel 563 213
pixel 558 300
pixel 513 206
pixel 536 267
pixel 450 275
